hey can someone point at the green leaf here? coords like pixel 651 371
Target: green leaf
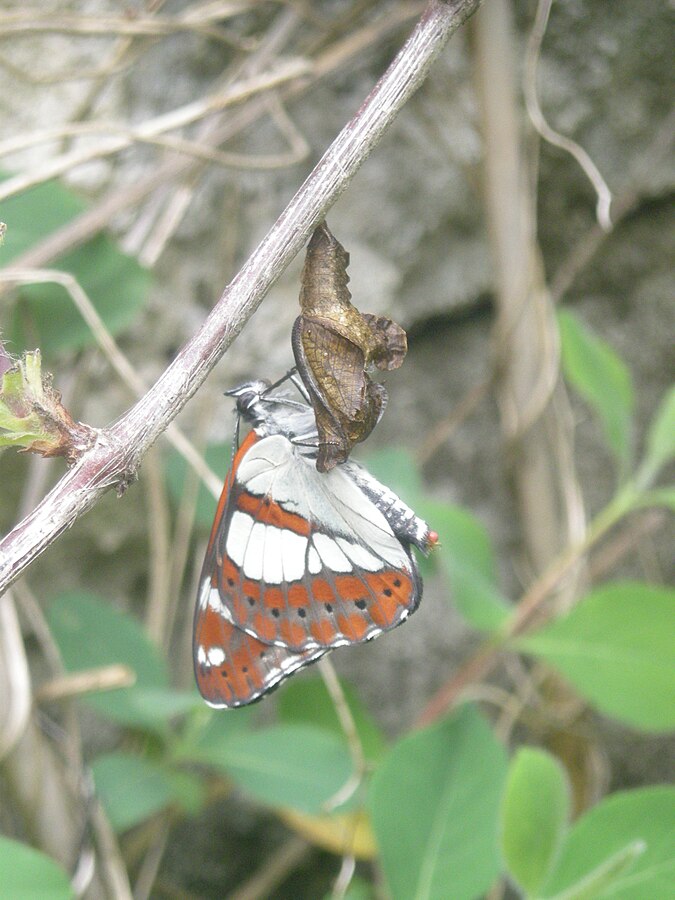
pixel 27 874
pixel 605 842
pixel 661 437
pixel 189 791
pixel 358 889
pixel 132 788
pixel 466 554
pixel 46 315
pixel 434 806
pixel 162 704
pixel 534 816
pixel 91 633
pixel 616 648
pixel 308 701
pixel 602 379
pixel 218 457
pixel 288 765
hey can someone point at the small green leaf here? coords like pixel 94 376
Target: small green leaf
pixel 465 552
pixel 288 765
pixel 90 633
pixel 218 457
pixel 623 849
pixel 27 874
pixel 132 788
pixel 534 816
pixel 434 805
pixel 308 701
pixel 616 648
pixel 602 379
pixel 162 704
pixel 46 315
pixel 661 437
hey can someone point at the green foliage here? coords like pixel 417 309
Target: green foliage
pixel 616 648
pixel 132 788
pixel 623 848
pixel 218 457
pixel 602 379
pixel 534 816
pixel 91 633
pixel 661 437
pixel 466 555
pixel 27 874
pixel 307 700
pixel 300 766
pixel 45 315
pixel 434 806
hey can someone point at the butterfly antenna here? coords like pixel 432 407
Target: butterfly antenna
pixel 289 374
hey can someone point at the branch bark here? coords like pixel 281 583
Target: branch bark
pixel 116 455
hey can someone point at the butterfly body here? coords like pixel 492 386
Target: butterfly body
pixel 298 562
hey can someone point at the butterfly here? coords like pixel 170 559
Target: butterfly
pixel 298 562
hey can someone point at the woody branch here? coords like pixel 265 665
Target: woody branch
pixel 116 454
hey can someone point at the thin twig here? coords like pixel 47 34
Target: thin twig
pixel 85 226
pixel 29 21
pixel 346 719
pixel 114 459
pixel 549 134
pixel 154 128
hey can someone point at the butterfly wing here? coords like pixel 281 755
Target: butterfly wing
pixel 307 561
pixel 233 668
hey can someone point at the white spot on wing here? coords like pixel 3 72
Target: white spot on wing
pixel 238 536
pixel 293 547
pixel 214 600
pixel 360 556
pixel 216 656
pixel 201 655
pixel 333 558
pixel 272 571
pixel 313 562
pixel 253 561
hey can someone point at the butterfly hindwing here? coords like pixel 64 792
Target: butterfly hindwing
pixel 233 668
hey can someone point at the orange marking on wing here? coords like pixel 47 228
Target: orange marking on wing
pixel 251 589
pixel 229 479
pixel 264 509
pixel 384 611
pixel 264 627
pixel 239 608
pixel 323 632
pixel 322 591
pixel 229 575
pixel 292 633
pixel 210 628
pixel 396 584
pixel 353 627
pixel 273 598
pixel 297 595
pixel 350 588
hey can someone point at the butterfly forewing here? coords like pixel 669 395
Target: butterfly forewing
pixel 307 561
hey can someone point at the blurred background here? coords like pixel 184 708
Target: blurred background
pixel 146 150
